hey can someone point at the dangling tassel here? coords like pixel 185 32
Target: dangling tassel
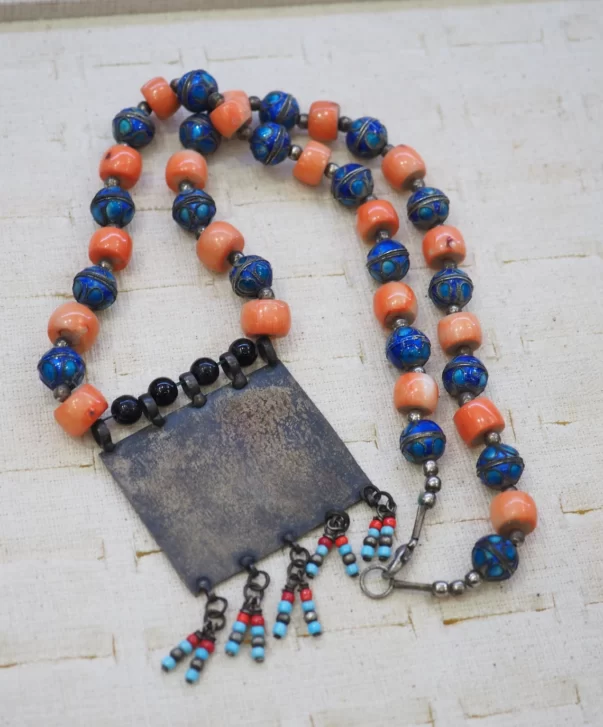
pixel 336 524
pixel 381 530
pixel 250 615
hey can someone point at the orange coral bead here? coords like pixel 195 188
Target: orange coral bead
pixel 402 165
pixel 112 244
pixel 375 215
pixel 394 300
pixel 416 391
pixel 513 510
pixel 476 418
pixel 79 412
pixel 215 244
pixel 186 166
pixel 311 165
pixel 122 162
pixel 323 120
pixel 76 323
pixel 231 115
pixel 160 97
pixel 459 329
pixel 266 318
pixel 442 243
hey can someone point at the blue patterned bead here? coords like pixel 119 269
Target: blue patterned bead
pixel 451 286
pixel 427 207
pixel 193 210
pixel 314 628
pixel 270 143
pixel 495 558
pixel 366 137
pixel 499 466
pixel 198 133
pixel 464 374
pixel 112 206
pixel 168 663
pixel 422 440
pixel 280 108
pixel 192 676
pixel 194 89
pixel 387 260
pixel 407 347
pixel 249 275
pixel 257 653
pixel 95 287
pixel 352 184
pixel 279 630
pixel 133 127
pixel 61 365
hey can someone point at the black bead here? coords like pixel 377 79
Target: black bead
pixel 244 351
pixel 126 409
pixel 284 618
pixel 205 370
pixel 164 391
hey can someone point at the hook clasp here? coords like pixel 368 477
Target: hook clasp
pixel 401 557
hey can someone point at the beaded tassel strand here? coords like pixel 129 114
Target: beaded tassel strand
pixel 296 581
pixel 250 615
pixel 336 524
pixel 382 527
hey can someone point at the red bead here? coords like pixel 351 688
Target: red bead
pixel 305 594
pixel 288 596
pixel 244 617
pixel 324 540
pixel 208 645
pixel 341 540
pixel 377 524
pixel 257 620
pixel 391 521
pixel 193 639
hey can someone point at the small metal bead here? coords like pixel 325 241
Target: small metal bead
pixel 370 198
pixel 258 641
pixel 344 123
pixel 174 84
pixel 397 323
pixel 197 664
pixel 295 152
pixel 418 370
pixel 215 99
pixel 145 108
pixel 473 579
pixel 310 616
pixel 382 235
pixel 177 653
pixel 302 122
pixel 414 416
pixel 369 540
pixel 255 102
pixel 492 438
pixel 386 540
pixel 465 397
pixel 452 309
pixel 433 484
pixel 457 588
pixel 186 186
pixel 517 537
pixel 330 169
pixel 61 343
pixel 284 618
pixel 245 133
pixel 349 558
pixel 62 392
pixel 464 351
pixel 317 559
pixel 417 184
pixel 237 637
pixel 111 182
pixel 427 499
pixel 386 149
pixel 430 467
pixel 106 264
pixel 265 293
pixel 235 256
pixel 439 589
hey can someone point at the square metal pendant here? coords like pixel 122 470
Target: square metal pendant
pixel 233 477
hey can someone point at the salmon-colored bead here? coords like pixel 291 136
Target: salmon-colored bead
pixel 402 165
pixel 476 418
pixel 394 300
pixel 79 412
pixel 266 318
pixel 160 97
pixel 513 510
pixel 416 391
pixel 311 165
pixel 375 215
pixel 76 323
pixel 323 120
pixel 215 244
pixel 443 243
pixel 122 162
pixel 459 329
pixel 186 166
pixel 112 244
pixel 231 115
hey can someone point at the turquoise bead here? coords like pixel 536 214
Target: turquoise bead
pixel 345 549
pixel 232 648
pixel 279 630
pixel 308 606
pixel 285 607
pixel 239 627
pixel 374 533
pixel 311 569
pixel 168 663
pixel 186 646
pixel 192 676
pixel 257 653
pixel 384 551
pixel 352 569
pixel 202 653
pixel 387 530
pixel 322 550
pixel 367 552
pixel 314 628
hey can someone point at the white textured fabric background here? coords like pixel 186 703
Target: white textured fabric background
pixel 505 102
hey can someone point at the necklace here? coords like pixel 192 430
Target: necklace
pixel 215 439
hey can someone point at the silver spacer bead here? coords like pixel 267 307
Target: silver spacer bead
pixel 215 99
pixel 112 182
pixel 427 499
pixel 265 293
pixel 448 263
pixel 492 438
pixel 414 416
pixel 517 537
pixel 418 370
pixel 430 467
pixel 396 322
pixel 174 84
pixel 317 559
pixel 439 589
pixel 236 637
pixel 302 122
pixel 245 133
pixel 62 392
pixel 258 641
pixel 457 588
pixel 295 152
pixel 382 235
pixel 235 257
pixel 61 343
pixel 465 397
pixel 106 264
pixel 186 186
pixel 255 103
pixel 464 351
pixel 473 579
pixel 330 169
pixel 417 184
pixel 433 483
pixel 350 558
pixel 145 108
pixel 386 149
pixel 310 616
pixel 453 309
pixel 344 123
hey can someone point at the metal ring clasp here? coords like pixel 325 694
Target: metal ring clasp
pixel 385 576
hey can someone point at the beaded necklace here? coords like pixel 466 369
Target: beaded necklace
pixel 73 328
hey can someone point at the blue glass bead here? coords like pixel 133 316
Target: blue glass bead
pixel 345 549
pixel 192 676
pixel 314 628
pixel 367 552
pixel 280 108
pixel 495 558
pixel 311 569
pixel 193 210
pixel 239 627
pixel 374 533
pixel 186 646
pixel 422 440
pixel 194 89
pixel 249 275
pixel 352 184
pixel 427 207
pixel 451 286
pixel 270 143
pixel 407 347
pixel 95 287
pixel 499 466
pixel 308 606
pixel 133 127
pixel 198 133
pixel 463 374
pixel 352 569
pixel 366 137
pixel 279 630
pixel 322 550
pixel 387 530
pixel 387 260
pixel 202 654
pixel 232 648
pixel 112 206
pixel 285 607
pixel 257 630
pixel 384 552
pixel 168 663
pixel 257 653
pixel 61 365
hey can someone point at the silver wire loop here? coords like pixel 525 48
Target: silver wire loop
pixel 385 576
